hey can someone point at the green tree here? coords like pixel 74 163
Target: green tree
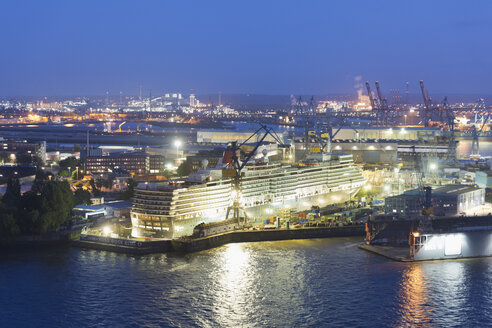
pixel 24 159
pixel 8 224
pixel 12 195
pixel 82 196
pixel 184 169
pixel 4 157
pixel 28 216
pixel 130 190
pixel 107 183
pixel 37 161
pixel 69 162
pixel 95 191
pixel 55 205
pixel 39 181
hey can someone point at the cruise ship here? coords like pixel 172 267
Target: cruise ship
pixel 172 209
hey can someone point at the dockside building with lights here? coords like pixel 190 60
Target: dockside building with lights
pixel 447 200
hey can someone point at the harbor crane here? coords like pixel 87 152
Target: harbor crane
pixel 480 111
pixel 449 116
pixel 379 104
pixel 119 128
pixel 475 150
pixel 300 106
pixel 235 166
pixel 383 105
pixel 371 98
pixel 311 108
pixel 482 117
pixel 426 112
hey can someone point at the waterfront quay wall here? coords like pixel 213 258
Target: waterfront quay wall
pixel 122 245
pixel 33 241
pixel 188 245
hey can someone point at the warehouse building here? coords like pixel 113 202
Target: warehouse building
pixel 448 200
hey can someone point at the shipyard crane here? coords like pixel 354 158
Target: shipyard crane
pixel 425 113
pixel 311 105
pixel 449 117
pixel 475 151
pixel 424 192
pixel 119 128
pixel 383 105
pixel 235 167
pixel 299 106
pixel 480 111
pixel 371 98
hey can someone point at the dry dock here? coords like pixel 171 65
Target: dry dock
pixel 400 254
pixel 187 245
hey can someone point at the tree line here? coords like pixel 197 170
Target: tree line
pixel 42 209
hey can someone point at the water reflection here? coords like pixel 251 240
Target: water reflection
pixel 413 299
pixel 464 147
pixel 232 293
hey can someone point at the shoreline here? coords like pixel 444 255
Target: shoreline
pixel 190 245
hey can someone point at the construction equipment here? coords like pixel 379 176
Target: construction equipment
pixel 371 96
pixel 448 115
pixel 236 166
pixel 383 110
pixel 475 151
pixel 119 128
pixel 300 106
pixel 425 113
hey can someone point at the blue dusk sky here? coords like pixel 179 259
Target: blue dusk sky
pixel 58 48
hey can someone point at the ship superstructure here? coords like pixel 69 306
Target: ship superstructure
pixel 172 209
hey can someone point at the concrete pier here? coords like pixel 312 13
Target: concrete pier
pixel 401 254
pixel 121 245
pixel 187 245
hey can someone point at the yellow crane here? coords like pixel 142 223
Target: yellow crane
pixel 119 128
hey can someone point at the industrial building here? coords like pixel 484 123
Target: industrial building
pixel 224 137
pixel 14 147
pixel 483 179
pixel 446 200
pixel 133 162
pixel 397 133
pixel 368 152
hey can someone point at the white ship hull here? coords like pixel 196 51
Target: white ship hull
pixel 185 228
pixel 173 210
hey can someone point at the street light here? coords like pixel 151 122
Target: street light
pixel 177 143
pixel 405 119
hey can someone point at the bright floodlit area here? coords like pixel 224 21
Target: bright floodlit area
pixel 216 163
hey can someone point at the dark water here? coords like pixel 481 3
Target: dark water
pixel 465 145
pixel 314 283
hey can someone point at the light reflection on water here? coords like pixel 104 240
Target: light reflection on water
pixel 413 301
pixel 464 147
pixel 233 288
pixel 308 283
